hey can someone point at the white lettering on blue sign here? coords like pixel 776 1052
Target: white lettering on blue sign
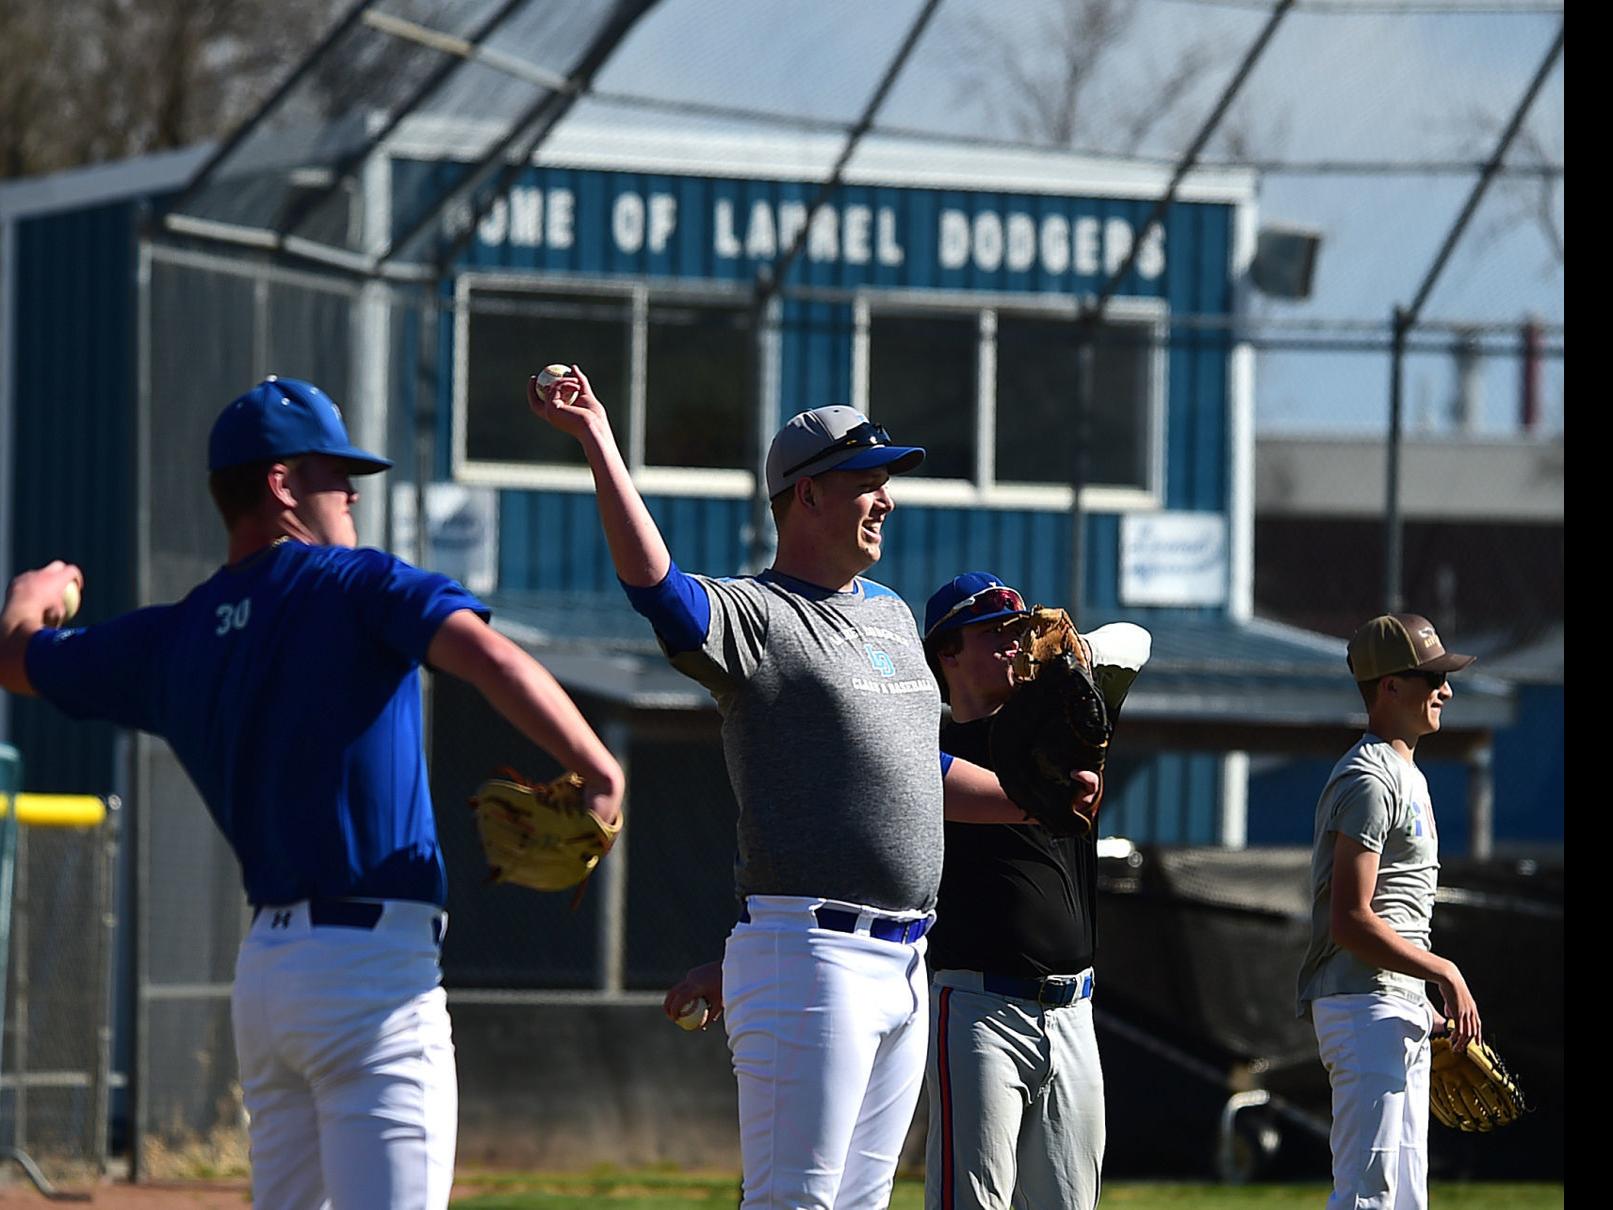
pixel 986 239
pixel 989 242
pixel 530 218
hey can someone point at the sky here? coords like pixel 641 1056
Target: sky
pixel 1365 80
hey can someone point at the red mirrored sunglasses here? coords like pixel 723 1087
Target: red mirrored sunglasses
pixel 986 601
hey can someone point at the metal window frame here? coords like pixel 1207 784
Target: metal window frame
pixel 639 295
pixel 986 490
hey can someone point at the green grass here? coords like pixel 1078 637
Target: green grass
pixel 673 1191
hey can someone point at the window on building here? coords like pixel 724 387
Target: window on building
pixel 509 335
pixel 967 381
pixel 674 373
pixel 922 386
pixel 697 369
pixel 1036 397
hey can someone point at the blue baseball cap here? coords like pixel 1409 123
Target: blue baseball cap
pixel 975 596
pixel 281 418
pixel 835 438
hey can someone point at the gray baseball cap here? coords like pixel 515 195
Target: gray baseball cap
pixel 835 438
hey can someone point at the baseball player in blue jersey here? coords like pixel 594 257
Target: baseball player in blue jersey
pixel 288 686
pixel 829 726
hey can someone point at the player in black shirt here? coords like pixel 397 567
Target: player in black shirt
pixel 1015 1086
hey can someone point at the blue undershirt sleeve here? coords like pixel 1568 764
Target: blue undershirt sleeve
pixel 677 608
pixel 946 763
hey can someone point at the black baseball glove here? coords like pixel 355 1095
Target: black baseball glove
pixel 1054 723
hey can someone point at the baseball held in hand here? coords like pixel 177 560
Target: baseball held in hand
pixel 550 375
pixel 70 599
pixel 694 1014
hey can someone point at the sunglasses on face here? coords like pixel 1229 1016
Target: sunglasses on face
pixel 866 435
pixel 986 601
pixel 1436 680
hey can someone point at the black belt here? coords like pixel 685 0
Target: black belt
pixel 886 928
pixel 1046 992
pixel 340 913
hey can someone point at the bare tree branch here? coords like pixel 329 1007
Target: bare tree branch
pixel 97 80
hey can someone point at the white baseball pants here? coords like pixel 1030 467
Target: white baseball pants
pixel 1016 1100
pixel 827 1031
pixel 1375 1049
pixel 346 1060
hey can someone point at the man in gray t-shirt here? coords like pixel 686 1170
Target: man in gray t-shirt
pixel 1374 870
pixel 829 722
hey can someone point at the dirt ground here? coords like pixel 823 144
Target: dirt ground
pixel 119 1195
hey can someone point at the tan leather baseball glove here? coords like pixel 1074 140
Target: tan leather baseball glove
pixel 1471 1089
pixel 540 835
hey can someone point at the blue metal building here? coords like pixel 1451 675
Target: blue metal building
pixel 936 290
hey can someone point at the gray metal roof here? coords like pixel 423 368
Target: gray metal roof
pixel 1203 670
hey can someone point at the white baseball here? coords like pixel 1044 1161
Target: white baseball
pixel 550 375
pixel 70 599
pixel 694 1014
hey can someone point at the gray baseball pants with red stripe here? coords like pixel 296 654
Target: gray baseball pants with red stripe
pixel 1016 1101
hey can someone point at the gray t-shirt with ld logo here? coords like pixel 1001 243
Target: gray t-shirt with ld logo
pixel 830 716
pixel 1376 798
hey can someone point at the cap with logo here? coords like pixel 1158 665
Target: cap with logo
pixel 835 438
pixel 975 596
pixel 1400 642
pixel 281 418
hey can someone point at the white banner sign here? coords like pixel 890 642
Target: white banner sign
pixel 461 532
pixel 1173 559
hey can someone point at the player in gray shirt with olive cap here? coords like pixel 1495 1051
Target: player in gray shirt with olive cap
pixel 829 722
pixel 1373 875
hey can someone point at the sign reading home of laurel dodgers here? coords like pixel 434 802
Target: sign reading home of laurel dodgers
pixel 728 228
pixel 1173 559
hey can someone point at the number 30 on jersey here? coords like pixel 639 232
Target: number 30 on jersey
pixel 233 617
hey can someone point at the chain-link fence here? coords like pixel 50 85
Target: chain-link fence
pixel 58 862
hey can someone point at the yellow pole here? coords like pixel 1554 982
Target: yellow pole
pixel 56 810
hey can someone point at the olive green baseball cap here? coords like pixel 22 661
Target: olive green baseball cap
pixel 1400 642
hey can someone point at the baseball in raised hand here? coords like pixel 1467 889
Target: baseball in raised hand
pixel 562 396
pixel 549 375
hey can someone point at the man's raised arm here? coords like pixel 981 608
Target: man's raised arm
pixel 636 546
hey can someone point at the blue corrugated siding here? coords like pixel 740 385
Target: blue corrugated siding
pixel 1168 798
pixel 552 540
pixel 73 335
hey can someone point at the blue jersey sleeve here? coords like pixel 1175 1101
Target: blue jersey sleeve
pixel 102 672
pixel 677 607
pixel 404 606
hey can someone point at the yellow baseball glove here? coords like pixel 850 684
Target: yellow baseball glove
pixel 1472 1090
pixel 540 836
